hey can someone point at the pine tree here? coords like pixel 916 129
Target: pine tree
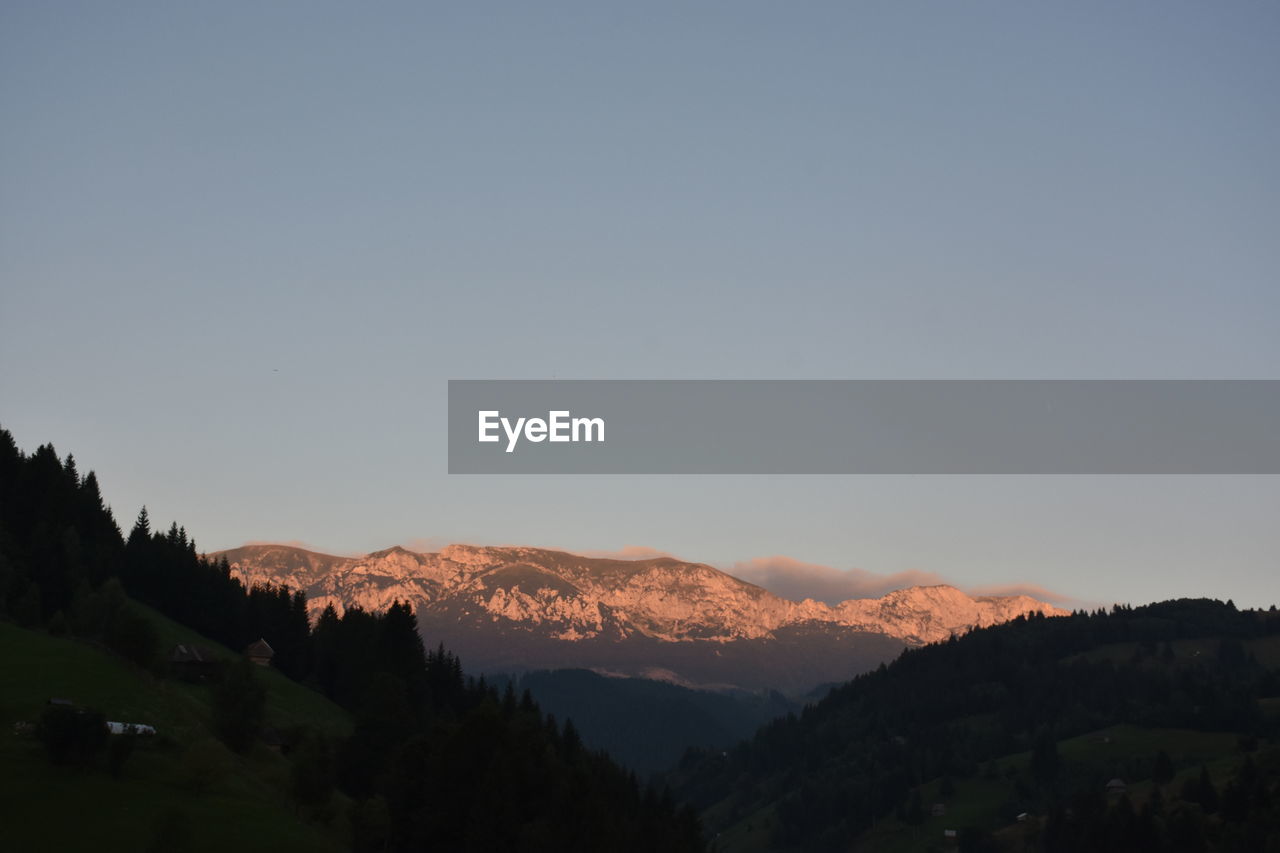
pixel 28 610
pixel 141 532
pixel 312 771
pixel 239 705
pixel 915 809
pixel 571 739
pixel 1206 793
pixel 1045 762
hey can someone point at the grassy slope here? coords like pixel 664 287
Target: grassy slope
pixel 179 791
pixel 288 702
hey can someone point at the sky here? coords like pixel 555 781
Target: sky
pixel 244 246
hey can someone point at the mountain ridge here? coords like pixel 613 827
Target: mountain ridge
pixel 569 597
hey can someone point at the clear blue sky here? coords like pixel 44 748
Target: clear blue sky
pixel 243 246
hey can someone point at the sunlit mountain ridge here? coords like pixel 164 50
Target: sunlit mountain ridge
pixel 516 607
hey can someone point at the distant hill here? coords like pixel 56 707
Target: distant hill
pixel 647 725
pixel 1154 728
pixel 516 608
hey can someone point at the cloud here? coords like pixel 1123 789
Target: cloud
pixel 432 544
pixel 305 546
pixel 798 580
pixel 1040 593
pixel 626 552
pixel 425 545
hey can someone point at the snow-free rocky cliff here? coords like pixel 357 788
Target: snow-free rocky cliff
pixel 520 608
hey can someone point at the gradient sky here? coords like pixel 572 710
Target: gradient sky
pixel 244 245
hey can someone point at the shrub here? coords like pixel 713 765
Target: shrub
pixel 72 735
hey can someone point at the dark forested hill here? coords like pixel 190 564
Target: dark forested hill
pixel 645 724
pixel 1150 728
pixel 433 760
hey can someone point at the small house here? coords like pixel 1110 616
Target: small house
pixel 1116 787
pixel 260 652
pixel 938 809
pixel 193 663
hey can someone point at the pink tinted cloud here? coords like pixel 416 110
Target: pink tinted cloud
pixel 626 552
pixel 1037 592
pixel 427 545
pixel 305 546
pixel 798 580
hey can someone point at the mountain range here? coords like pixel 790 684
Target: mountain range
pixel 511 609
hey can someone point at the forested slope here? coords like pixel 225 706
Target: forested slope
pixel 1177 699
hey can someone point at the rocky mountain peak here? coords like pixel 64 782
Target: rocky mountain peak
pixel 572 597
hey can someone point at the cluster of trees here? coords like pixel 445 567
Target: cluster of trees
pixel 947 711
pixel 480 769
pixel 436 760
pixel 164 570
pixel 55 533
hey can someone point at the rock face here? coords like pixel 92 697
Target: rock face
pixel 520 608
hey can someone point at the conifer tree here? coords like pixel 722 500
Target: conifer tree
pixel 141 532
pixel 239 705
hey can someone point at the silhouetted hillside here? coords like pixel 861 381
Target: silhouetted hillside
pixel 1175 704
pixel 434 761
